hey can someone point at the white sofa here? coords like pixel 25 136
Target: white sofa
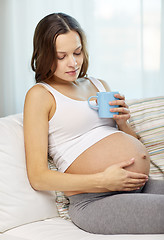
pixel 26 214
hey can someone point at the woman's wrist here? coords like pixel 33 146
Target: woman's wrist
pixel 123 126
pixel 99 183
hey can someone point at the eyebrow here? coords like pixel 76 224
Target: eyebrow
pixel 74 50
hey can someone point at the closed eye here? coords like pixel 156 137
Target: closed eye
pixel 60 58
pixel 77 53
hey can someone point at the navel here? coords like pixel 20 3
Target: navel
pixel 144 156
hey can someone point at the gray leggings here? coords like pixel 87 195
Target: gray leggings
pixel 136 212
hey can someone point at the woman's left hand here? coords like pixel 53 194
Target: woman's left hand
pixel 124 113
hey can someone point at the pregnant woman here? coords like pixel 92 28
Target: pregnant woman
pixel 102 166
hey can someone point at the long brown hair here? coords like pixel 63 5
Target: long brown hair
pixel 44 53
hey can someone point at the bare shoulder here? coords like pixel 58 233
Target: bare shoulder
pixel 38 92
pixel 105 85
pixel 38 97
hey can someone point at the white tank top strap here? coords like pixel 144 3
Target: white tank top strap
pixel 97 84
pixel 53 91
pixel 56 95
pixel 47 86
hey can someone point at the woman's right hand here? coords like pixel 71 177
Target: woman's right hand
pixel 116 178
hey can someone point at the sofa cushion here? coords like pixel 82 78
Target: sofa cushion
pixel 62 201
pixel 147 120
pixel 59 229
pixel 19 202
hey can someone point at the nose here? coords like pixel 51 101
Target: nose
pixel 72 61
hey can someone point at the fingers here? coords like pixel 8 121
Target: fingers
pixel 116 178
pixel 135 175
pixel 120 96
pixel 132 175
pixel 131 184
pixel 120 110
pixel 131 189
pixel 126 163
pixel 123 110
pixel 119 102
pixel 132 180
pixel 134 184
pixel 123 117
pixel 137 182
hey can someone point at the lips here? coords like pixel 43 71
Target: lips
pixel 72 72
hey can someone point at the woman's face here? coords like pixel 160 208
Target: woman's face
pixel 69 56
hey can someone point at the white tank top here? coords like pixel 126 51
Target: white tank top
pixel 75 127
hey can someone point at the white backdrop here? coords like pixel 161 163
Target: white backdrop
pixel 125 41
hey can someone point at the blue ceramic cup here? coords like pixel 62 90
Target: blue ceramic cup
pixel 103 107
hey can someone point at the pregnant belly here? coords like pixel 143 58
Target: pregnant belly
pixel 110 150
